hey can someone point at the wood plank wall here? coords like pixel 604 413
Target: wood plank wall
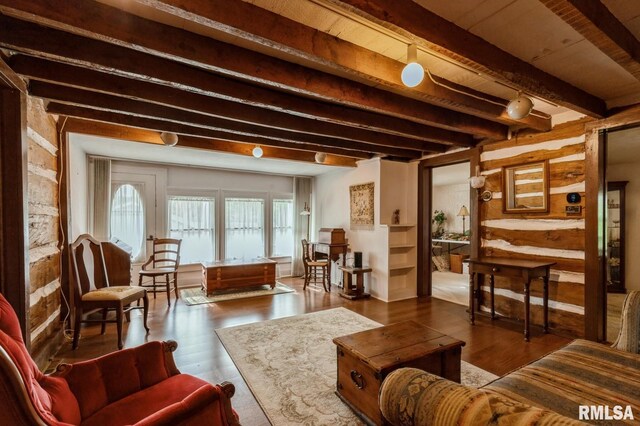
pixel 44 255
pixel 553 236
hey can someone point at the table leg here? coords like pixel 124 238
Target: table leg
pixel 472 305
pixel 526 308
pixel 359 284
pixel 329 262
pixel 346 283
pixel 545 301
pixel 492 283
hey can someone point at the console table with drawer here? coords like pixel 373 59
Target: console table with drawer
pixel 526 270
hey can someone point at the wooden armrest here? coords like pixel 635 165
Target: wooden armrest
pixel 169 346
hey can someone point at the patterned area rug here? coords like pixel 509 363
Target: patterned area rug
pixel 195 296
pixel 290 365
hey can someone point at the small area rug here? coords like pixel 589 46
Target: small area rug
pixel 290 365
pixel 195 296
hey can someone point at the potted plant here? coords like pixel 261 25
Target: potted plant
pixel 439 218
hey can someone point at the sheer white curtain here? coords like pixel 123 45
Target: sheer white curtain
pixel 99 197
pixel 192 219
pixel 244 228
pixel 127 217
pixel 302 195
pixel 282 227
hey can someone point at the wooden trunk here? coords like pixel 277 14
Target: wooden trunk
pixel 366 358
pixel 225 275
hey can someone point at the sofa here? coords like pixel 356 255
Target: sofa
pixel 549 391
pixel 140 386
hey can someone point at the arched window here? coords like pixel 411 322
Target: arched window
pixel 127 217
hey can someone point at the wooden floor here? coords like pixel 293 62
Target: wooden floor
pixel 497 347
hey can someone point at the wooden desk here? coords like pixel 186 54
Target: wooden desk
pixel 332 252
pixel 239 273
pixel 351 291
pixel 513 268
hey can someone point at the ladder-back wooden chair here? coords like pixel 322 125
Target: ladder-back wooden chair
pixel 312 267
pixel 162 266
pixel 92 290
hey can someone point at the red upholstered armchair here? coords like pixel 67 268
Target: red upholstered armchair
pixel 140 386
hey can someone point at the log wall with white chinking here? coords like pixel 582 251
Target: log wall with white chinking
pixel 44 254
pixel 553 236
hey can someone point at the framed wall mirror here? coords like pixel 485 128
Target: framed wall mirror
pixel 525 188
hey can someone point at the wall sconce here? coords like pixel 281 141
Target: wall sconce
pixel 306 211
pixel 477 181
pixel 412 73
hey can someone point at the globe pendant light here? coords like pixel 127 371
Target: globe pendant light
pixel 257 151
pixel 320 157
pixel 520 107
pixel 412 73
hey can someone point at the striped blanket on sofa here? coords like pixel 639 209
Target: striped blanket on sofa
pixel 582 373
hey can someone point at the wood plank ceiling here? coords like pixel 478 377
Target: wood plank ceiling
pixel 226 73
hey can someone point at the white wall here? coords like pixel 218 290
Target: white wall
pixel 629 172
pixel 395 188
pixel 78 188
pixel 449 199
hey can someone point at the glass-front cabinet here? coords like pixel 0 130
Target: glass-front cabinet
pixel 615 237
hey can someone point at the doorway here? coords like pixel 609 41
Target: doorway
pixel 449 241
pixel 621 222
pixel 450 244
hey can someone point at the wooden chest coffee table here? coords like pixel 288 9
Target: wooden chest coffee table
pixel 366 358
pixel 238 273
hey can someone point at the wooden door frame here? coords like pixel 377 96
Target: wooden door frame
pixel 425 176
pixel 595 297
pixel 14 232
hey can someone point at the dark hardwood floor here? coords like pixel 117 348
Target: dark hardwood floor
pixel 496 346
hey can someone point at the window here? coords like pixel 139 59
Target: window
pixel 244 228
pixel 282 234
pixel 127 217
pixel 192 219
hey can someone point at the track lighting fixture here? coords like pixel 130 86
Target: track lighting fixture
pixel 168 138
pixel 412 73
pixel 520 107
pixel 257 151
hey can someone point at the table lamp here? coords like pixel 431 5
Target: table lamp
pixel 464 212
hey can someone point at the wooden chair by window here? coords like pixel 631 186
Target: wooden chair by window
pixel 311 267
pixel 163 264
pixel 92 290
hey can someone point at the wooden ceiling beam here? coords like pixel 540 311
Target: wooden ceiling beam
pixel 77 77
pixel 132 134
pixel 104 23
pixel 264 27
pixel 188 130
pixel 84 98
pixel 431 31
pixel 54 44
pixel 597 24
pixel 9 78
